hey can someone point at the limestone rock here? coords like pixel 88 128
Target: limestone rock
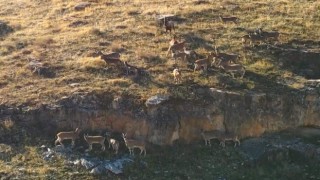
pixel 156 100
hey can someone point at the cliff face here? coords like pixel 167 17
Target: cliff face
pixel 168 119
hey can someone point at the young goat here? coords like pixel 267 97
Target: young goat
pixel 229 19
pixel 207 136
pixel 112 142
pixel 229 137
pixel 95 140
pixel 176 47
pixel 233 68
pixel 202 63
pixel 73 135
pixel 131 144
pixel 177 76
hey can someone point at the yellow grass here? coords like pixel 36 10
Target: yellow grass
pixel 129 27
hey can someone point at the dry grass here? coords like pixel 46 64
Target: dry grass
pixel 44 28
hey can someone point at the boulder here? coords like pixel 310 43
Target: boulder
pixel 157 100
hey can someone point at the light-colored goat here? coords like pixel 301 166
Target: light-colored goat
pixel 229 19
pixel 229 137
pixel 190 53
pixel 176 47
pixel 178 55
pixel 177 76
pixel 113 143
pixel 73 135
pixel 95 140
pixel 203 62
pixel 208 135
pixel 132 143
pixel 232 68
pixel 173 40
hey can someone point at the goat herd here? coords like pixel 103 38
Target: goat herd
pixel 227 62
pixel 131 144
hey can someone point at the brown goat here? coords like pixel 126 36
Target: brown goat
pixel 203 62
pixel 110 58
pixel 229 19
pixel 176 47
pixel 73 135
pixel 169 25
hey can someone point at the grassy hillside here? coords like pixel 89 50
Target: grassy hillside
pixel 52 32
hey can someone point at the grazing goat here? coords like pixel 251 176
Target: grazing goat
pixel 203 63
pixel 129 68
pixel 112 142
pixel 110 58
pixel 176 55
pixel 233 68
pixel 229 137
pixel 176 47
pixel 95 140
pixel 177 76
pixel 255 31
pixel 73 135
pixel 252 38
pixel 190 53
pixel 207 136
pixel 169 25
pixel 270 35
pixel 131 144
pixel 229 19
pixel 223 58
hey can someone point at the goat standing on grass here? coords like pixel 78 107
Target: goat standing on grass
pixel 169 25
pixel 131 144
pixel 253 38
pixel 173 40
pixel 203 63
pixel 232 68
pixel 176 47
pixel 110 58
pixel 223 58
pixel 229 19
pixel 190 53
pixel 73 135
pixel 177 55
pixel 177 76
pixel 95 140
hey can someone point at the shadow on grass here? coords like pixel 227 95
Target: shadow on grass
pixel 297 56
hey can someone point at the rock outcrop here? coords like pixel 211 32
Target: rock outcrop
pixel 167 119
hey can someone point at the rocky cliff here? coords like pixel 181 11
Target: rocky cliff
pixel 162 119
